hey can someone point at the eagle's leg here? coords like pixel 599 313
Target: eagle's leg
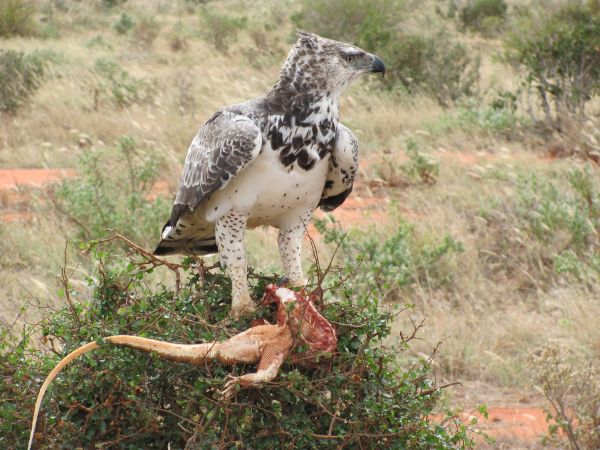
pixel 229 232
pixel 290 247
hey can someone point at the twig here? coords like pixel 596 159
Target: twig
pixel 154 260
pixel 431 391
pixel 64 280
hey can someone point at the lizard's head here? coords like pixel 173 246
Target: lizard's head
pixel 285 299
pixel 296 309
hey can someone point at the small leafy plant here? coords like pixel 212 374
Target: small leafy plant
pixel 573 394
pixel 218 29
pixel 119 86
pixel 559 217
pixel 398 260
pixel 17 18
pixel 558 49
pixel 124 24
pixel 21 75
pixel 113 192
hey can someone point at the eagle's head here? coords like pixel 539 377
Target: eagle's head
pixel 318 63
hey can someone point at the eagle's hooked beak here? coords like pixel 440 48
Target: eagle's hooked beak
pixel 378 66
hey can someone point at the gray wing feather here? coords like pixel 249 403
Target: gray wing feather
pixel 223 147
pixel 343 167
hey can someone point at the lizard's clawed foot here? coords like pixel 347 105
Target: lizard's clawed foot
pixel 231 387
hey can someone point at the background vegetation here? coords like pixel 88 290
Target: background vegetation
pixel 478 201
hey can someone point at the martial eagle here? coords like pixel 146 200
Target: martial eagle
pixel 270 161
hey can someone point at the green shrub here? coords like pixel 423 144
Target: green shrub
pixel 112 3
pixel 549 208
pixel 218 29
pixel 112 193
pixel 146 31
pixel 116 397
pixel 559 53
pixel 572 390
pixel 420 168
pixel 436 65
pixel 449 72
pixel 17 18
pixel 483 15
pixel 21 76
pixel 433 63
pixel 396 260
pixel 498 117
pixel 548 229
pixel 124 24
pixel 119 86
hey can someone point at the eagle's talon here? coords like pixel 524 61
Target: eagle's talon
pixel 242 310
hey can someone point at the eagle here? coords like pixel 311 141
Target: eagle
pixel 270 161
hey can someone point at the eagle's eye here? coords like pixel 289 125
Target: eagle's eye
pixel 349 58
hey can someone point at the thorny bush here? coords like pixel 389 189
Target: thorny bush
pixel 114 185
pixel 398 260
pixel 120 398
pixel 573 393
pixel 21 75
pixel 559 51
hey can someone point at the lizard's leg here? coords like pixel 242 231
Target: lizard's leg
pixel 229 231
pixel 268 368
pixel 290 246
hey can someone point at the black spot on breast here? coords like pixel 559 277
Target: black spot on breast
pixel 287 158
pixel 276 138
pixel 305 161
pixel 334 162
pixel 297 142
pixel 328 184
pixel 325 126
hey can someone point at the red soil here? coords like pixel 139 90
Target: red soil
pixel 525 423
pixel 14 204
pixel 13 178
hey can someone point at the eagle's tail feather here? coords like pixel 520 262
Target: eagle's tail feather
pixel 184 239
pixel 200 247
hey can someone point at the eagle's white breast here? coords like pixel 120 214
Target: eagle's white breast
pixel 268 191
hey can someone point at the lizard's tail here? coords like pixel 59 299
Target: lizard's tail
pixel 194 354
pixel 51 376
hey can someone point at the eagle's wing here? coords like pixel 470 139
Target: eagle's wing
pixel 343 166
pixel 223 147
